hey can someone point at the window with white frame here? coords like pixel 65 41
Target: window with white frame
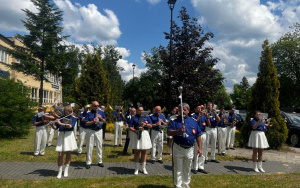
pixel 45 96
pixel 50 97
pixel 3 55
pixel 34 94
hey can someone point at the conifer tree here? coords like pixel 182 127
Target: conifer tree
pixel 42 44
pixel 264 97
pixel 93 83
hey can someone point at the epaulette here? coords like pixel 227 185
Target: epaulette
pixel 173 117
pixel 150 115
pixel 192 114
pixel 194 119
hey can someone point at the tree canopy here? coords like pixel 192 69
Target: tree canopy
pixel 43 44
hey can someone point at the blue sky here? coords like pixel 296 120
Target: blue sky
pixel 134 26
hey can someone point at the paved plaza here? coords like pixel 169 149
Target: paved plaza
pixel 275 162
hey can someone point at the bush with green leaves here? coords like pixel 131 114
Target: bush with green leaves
pixel 16 109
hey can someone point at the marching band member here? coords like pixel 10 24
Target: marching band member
pixel 171 117
pixel 199 161
pixel 40 133
pixel 118 116
pixel 94 121
pixel 102 107
pixel 222 132
pixel 257 141
pixel 132 112
pixel 66 141
pixel 140 140
pixel 157 134
pixel 83 129
pixel 184 134
pixel 211 131
pixel 54 116
pixel 231 120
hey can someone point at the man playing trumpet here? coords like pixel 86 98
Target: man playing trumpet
pixel 119 117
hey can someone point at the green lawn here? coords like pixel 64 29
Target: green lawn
pixel 22 150
pixel 215 181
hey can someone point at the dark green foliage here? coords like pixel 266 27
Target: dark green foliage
pixel 69 70
pixel 146 89
pixel 93 83
pixel 16 109
pixel 286 59
pixel 264 97
pixel 43 43
pixel 240 95
pixel 191 65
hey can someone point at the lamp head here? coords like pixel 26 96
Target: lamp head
pixel 180 88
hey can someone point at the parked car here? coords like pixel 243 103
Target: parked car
pixel 241 120
pixel 293 125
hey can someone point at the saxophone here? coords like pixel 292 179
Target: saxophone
pixel 232 124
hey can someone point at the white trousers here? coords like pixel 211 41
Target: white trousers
pixel 157 139
pixel 222 135
pixel 40 140
pixel 82 135
pixel 118 132
pixel 212 138
pixel 51 135
pixel 198 162
pixel 94 136
pixel 230 136
pixel 182 163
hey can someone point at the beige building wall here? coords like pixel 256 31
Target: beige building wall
pixel 52 93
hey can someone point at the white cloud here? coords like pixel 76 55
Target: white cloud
pixel 11 14
pixel 127 74
pixel 88 24
pixel 240 27
pixel 153 1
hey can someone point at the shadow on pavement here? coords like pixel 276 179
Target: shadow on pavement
pixel 44 172
pixel 168 167
pixel 121 170
pixel 238 168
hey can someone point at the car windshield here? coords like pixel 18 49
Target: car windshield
pixel 294 118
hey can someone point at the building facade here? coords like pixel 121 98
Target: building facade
pixel 52 91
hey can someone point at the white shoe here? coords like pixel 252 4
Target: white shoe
pixel 136 171
pixel 255 167
pixel 144 168
pixel 59 172
pixel 66 172
pixel 260 166
pixel 145 171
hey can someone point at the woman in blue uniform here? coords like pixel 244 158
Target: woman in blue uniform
pixel 140 140
pixel 257 141
pixel 66 141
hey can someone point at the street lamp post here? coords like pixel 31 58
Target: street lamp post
pixel 133 67
pixel 171 6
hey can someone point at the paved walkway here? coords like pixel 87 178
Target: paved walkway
pixel 275 162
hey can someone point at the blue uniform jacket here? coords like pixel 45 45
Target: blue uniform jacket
pixel 61 128
pixel 213 121
pixel 231 117
pixel 37 119
pixel 192 130
pixel 221 123
pixel 135 121
pixel 261 126
pixel 202 121
pixel 82 123
pixel 90 117
pixel 154 119
pixel 119 118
